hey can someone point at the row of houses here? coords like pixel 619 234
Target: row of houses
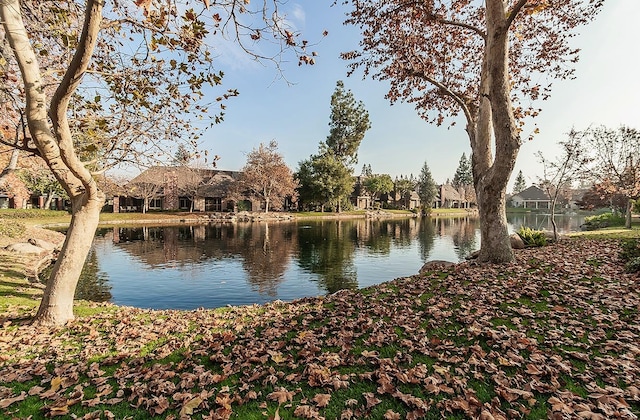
pixel 209 190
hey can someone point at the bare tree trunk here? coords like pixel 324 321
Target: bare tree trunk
pixel 55 145
pixel 496 121
pixel 47 202
pixel 57 303
pixel 494 234
pixel 627 216
pixel 553 220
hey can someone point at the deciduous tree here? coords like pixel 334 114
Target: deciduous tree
pixel 268 177
pixel 378 184
pixel 485 60
pixel 403 187
pixel 615 156
pixel 560 173
pixel 134 76
pixel 324 180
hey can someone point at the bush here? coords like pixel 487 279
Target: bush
pixel 630 254
pixel 11 228
pixel 632 266
pixel 532 237
pixel 602 221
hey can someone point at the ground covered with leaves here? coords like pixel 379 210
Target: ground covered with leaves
pixel 555 335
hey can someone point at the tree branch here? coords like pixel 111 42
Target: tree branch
pixel 514 12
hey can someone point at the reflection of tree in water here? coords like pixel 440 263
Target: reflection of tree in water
pixel 264 252
pixel 379 239
pixel 93 284
pixel 327 249
pixel 266 255
pixel 426 236
pixel 463 233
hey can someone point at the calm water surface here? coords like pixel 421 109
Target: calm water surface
pixel 187 267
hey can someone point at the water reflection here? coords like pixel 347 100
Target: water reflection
pixel 94 283
pixel 327 249
pixel 212 265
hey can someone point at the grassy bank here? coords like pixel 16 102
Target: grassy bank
pixel 554 334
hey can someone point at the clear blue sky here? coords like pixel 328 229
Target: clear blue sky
pixel 606 91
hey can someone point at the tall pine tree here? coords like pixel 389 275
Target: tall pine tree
pixel 349 121
pixel 520 184
pixel 463 175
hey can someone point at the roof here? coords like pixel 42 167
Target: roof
pixel 532 193
pixel 448 192
pixel 213 181
pixel 157 174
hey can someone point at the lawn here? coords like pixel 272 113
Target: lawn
pixel 554 335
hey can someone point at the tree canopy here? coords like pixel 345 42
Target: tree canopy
pixel 488 61
pixel 348 123
pixel 94 84
pixel 268 177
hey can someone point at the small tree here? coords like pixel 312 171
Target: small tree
pixel 377 185
pixel 615 155
pixel 268 177
pixel 520 184
pixel 41 181
pixel 427 190
pixel 561 172
pixel 403 187
pixel 146 191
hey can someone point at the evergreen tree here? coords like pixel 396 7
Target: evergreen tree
pixel 463 175
pixel 427 189
pixel 520 184
pixel 348 123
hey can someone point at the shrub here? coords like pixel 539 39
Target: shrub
pixel 532 237
pixel 630 254
pixel 602 220
pixel 632 266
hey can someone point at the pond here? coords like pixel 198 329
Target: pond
pixel 188 267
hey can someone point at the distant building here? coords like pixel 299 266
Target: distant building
pixel 531 198
pixel 183 188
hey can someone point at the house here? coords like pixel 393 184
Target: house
pixel 531 198
pixel 451 197
pixel 182 188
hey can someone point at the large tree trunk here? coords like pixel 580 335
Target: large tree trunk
pixel 57 303
pixel 494 234
pixel 49 129
pixel 495 121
